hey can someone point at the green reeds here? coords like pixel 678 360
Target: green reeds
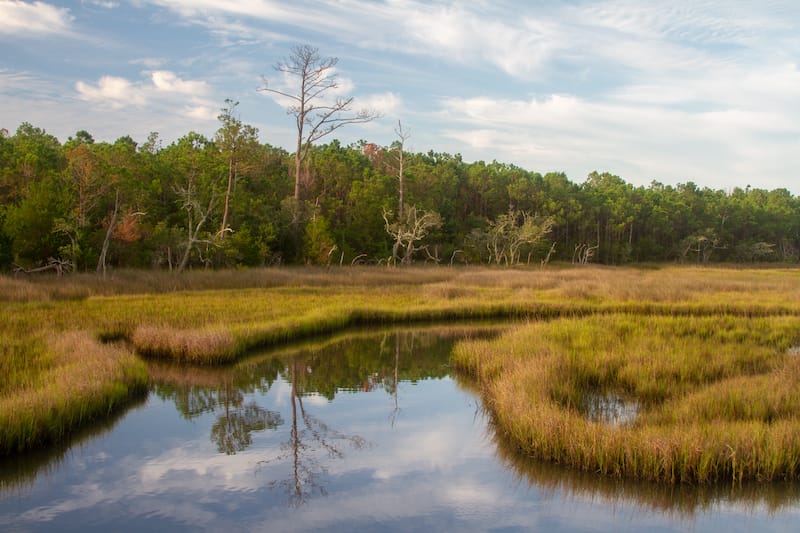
pixel 83 381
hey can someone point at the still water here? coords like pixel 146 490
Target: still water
pixel 370 431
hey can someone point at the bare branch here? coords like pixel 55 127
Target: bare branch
pixel 314 117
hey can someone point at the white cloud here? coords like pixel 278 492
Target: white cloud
pixel 202 113
pixel 639 142
pixel 23 18
pixel 117 92
pixel 518 47
pixel 120 92
pixel 164 80
pixel 388 103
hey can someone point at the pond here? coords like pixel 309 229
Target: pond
pixel 368 431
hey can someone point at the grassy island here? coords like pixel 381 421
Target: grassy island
pixel 674 374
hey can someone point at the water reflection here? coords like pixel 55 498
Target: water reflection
pixel 365 431
pixel 20 471
pixel 197 391
pixel 232 432
pixel 609 408
pixel 310 442
pixel 361 362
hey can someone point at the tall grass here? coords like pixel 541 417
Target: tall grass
pixel 82 380
pixel 211 317
pixel 679 501
pixel 718 396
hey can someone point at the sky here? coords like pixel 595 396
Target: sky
pixel 687 90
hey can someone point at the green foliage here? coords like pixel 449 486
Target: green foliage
pixel 6 244
pixel 31 224
pixel 242 191
pixel 319 244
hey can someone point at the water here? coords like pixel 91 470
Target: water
pixel 609 408
pixel 363 432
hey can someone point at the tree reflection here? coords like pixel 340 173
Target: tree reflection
pixel 222 392
pixel 232 432
pixel 391 379
pixel 310 439
pixel 355 363
pixel 361 362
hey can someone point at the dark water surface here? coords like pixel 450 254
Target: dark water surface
pixel 367 432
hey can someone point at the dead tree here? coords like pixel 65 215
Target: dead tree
pixel 197 215
pixel 316 113
pixel 60 266
pixel 511 231
pixel 409 231
pixel 583 253
pixel 101 261
pixel 402 135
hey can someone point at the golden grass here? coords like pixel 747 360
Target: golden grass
pixel 213 317
pixel 718 396
pixel 198 347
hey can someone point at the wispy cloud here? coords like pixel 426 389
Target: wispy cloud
pixel 457 33
pixel 690 89
pixel 106 4
pixel 641 142
pixel 36 18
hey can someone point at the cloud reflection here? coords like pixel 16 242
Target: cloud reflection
pixel 439 465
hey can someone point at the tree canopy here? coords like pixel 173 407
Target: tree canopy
pixel 229 201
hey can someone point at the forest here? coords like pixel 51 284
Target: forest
pixel 228 201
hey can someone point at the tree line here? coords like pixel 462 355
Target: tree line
pixel 230 201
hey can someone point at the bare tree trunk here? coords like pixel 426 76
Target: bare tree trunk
pixel 295 437
pixel 185 258
pixel 192 238
pixel 231 174
pixel 298 161
pixel 101 262
pixel 402 135
pixel 396 375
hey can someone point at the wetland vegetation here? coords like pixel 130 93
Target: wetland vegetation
pixel 698 365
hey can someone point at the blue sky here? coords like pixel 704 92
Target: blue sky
pixel 703 91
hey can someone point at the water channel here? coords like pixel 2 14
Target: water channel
pixel 366 431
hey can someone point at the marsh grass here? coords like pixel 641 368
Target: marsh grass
pixel 217 317
pixel 679 501
pixel 19 472
pixel 82 380
pixel 718 395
